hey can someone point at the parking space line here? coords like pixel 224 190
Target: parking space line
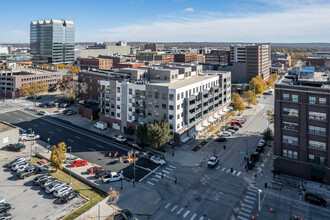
pixel 51 132
pixel 234 172
pixel 147 182
pixel 155 179
pixel 187 213
pixel 223 169
pixel 239 173
pixel 165 171
pixel 58 129
pixel 179 212
pixel 92 149
pixel 169 169
pixel 172 166
pixel 193 217
pixel 70 140
pixel 228 171
pixel 100 146
pixel 168 204
pixel 77 137
pixel 158 176
pixel 172 210
pixel 218 167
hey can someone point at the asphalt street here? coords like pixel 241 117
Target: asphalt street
pixel 85 144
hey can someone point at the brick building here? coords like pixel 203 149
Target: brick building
pixel 154 47
pixel 118 59
pixel 92 79
pixel 130 65
pixel 94 63
pixel 185 57
pixel 218 56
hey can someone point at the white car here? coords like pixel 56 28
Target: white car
pixel 225 134
pixel 261 143
pixel 19 165
pixel 2 200
pixel 232 131
pixel 59 192
pixel 213 161
pixel 16 161
pixel 43 113
pixel 157 160
pixel 52 187
pixel 29 137
pixel 120 138
pixel 112 177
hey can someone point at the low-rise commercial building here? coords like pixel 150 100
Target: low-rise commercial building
pixel 94 63
pixel 130 65
pixel 218 56
pixel 185 57
pixel 154 47
pixel 168 58
pixel 9 134
pixel 118 59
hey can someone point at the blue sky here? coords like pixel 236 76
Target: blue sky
pixel 174 20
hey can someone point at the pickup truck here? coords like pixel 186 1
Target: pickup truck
pixel 29 137
pixel 213 161
pixel 120 139
pixel 29 172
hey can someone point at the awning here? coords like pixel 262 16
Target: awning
pixel 185 140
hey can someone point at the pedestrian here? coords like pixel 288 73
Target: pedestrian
pixel 262 173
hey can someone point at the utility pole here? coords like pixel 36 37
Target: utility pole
pixel 48 145
pixel 134 169
pixel 70 163
pixel 121 185
pixel 259 205
pixel 247 149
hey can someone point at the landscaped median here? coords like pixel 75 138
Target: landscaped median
pixel 94 195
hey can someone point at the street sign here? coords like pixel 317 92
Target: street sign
pixel 242 152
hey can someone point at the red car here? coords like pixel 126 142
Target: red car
pixel 93 170
pixel 79 163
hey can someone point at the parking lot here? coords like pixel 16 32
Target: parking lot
pixel 27 199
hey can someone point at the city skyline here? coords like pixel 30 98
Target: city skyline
pixel 177 20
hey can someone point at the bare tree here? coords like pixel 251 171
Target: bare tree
pixel 74 89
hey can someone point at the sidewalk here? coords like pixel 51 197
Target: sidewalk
pixel 149 200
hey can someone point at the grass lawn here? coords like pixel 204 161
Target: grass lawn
pixel 93 194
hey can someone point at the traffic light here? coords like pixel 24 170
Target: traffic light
pixel 224 147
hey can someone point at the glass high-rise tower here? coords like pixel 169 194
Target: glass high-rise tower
pixel 52 41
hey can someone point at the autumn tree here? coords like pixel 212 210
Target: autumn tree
pixel 74 89
pixel 235 96
pixel 250 98
pixel 24 90
pixel 238 102
pixel 272 79
pixel 256 86
pixel 36 88
pixel 58 155
pixel 159 133
pixel 262 82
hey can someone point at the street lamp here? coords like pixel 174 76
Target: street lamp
pixel 99 210
pixel 134 168
pixel 259 205
pixel 172 150
pixel 48 144
pixel 247 149
pixel 70 164
pixel 121 186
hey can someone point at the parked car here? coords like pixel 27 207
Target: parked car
pixel 101 125
pixel 65 111
pixel 101 173
pixel 93 170
pixel 21 131
pixel 213 161
pixel 79 163
pixel 259 150
pixel 29 137
pixel 5 216
pixel 71 112
pixel 225 134
pixel 71 195
pixel 23 168
pixel 112 177
pixel 38 179
pixel 70 159
pixel 120 139
pixel 157 160
pixel 43 113
pixel 2 200
pixel 19 165
pixel 249 165
pixel 47 182
pixel 59 192
pixel 124 215
pixel 254 157
pixel 29 172
pixel 232 131
pixel 261 143
pixel 15 147
pixel 222 139
pixel 242 120
pixel 4 207
pixel 236 123
pixel 311 198
pixel 236 128
pixel 52 187
pixel 17 160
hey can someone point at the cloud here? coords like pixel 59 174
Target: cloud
pixel 188 10
pixel 295 24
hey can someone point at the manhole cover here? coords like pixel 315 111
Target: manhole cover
pixel 198 199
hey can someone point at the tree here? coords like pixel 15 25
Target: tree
pixel 268 135
pixel 270 117
pixel 24 90
pixel 58 155
pixel 75 89
pixel 142 134
pixel 238 102
pixel 159 133
pixel 250 98
pixel 262 82
pixel 256 86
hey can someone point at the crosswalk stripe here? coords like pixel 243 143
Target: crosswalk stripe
pixel 218 167
pixel 158 176
pixel 228 171
pixel 172 166
pixel 155 179
pixel 251 193
pixel 242 213
pixel 249 201
pixel 201 218
pixel 172 210
pixel 252 198
pixel 169 169
pixel 165 171
pixel 187 213
pixel 234 172
pixel 150 183
pixel 239 173
pixel 253 190
pixel 249 206
pixel 193 217
pixel 179 212
pixel 242 218
pixel 253 187
pixel 246 210
pixel 223 169
pixel 168 205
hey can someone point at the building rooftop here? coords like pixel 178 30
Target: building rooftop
pixel 5 127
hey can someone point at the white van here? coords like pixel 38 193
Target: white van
pixel 101 125
pixel 271 92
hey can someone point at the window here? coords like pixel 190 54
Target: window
pixel 178 116
pixel 317 145
pixel 311 100
pixel 130 91
pixel 156 105
pixel 285 153
pixel 118 115
pixel 149 94
pixel 316 159
pixel 290 112
pixel 286 97
pixel 149 104
pixel 118 89
pixel 118 98
pixel 316 130
pixel 158 76
pixel 182 95
pixel 118 106
pixel 156 95
pixel 322 101
pixel 150 113
pixel 171 97
pixel 317 116
pixel 163 106
pixel 290 140
pixel 178 97
pixel 164 96
pixel 294 98
pixel 170 117
pixel 290 125
pixel 171 107
pixel 156 114
pixel 290 154
pixel 178 107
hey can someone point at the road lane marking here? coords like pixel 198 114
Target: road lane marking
pixel 51 132
pixel 77 137
pixel 242 213
pixel 92 149
pixel 168 205
pixel 255 123
pixel 155 179
pixel 156 201
pixel 42 123
pixel 249 206
pixel 58 129
pixel 223 169
pixel 228 171
pixel 169 169
pixel 251 193
pixel 193 217
pixel 249 201
pixel 250 197
pixel 147 182
pixel 246 210
pixel 179 212
pixel 172 210
pixel 70 140
pixel 165 171
pixel 172 166
pixel 100 146
pixel 242 218
pixel 234 172
pixel 239 173
pixel 201 218
pixel 218 167
pixel 187 213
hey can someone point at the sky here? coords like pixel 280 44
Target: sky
pixel 275 21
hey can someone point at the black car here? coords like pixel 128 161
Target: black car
pixel 124 215
pixel 15 147
pixel 311 198
pixel 29 172
pixel 259 150
pixel 66 111
pixel 71 195
pixel 5 216
pixel 249 165
pixel 254 157
pixel 101 173
pixel 38 179
pixel 71 112
pixel 4 207
pixel 221 140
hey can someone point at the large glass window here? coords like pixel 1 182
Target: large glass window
pixel 290 125
pixel 311 100
pixel 317 115
pixel 316 130
pixel 317 145
pixel 290 140
pixel 286 97
pixel 290 154
pixel 316 159
pixel 295 98
pixel 322 101
pixel 290 112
